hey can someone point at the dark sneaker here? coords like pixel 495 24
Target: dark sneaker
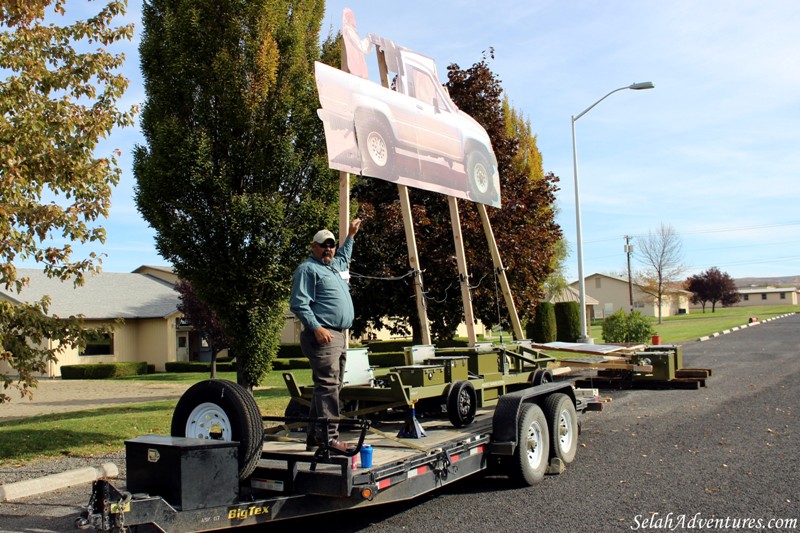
pixel 341 447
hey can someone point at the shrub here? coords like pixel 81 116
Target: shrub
pixel 568 321
pixel 543 327
pixel 615 327
pixel 622 327
pixel 103 370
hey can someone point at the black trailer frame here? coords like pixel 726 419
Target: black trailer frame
pixel 292 484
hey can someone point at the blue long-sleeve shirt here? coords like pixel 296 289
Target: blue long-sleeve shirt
pixel 320 296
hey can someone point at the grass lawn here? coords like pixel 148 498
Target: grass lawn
pixel 683 328
pixel 98 432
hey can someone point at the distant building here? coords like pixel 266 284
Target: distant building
pixel 612 293
pixel 767 296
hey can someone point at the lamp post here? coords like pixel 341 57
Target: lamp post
pixel 581 284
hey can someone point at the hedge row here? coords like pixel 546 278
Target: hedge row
pixel 105 370
pixel 197 366
pixel 290 364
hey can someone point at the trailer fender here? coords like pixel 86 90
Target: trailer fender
pixel 506 414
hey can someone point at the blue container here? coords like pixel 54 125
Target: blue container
pixel 366 456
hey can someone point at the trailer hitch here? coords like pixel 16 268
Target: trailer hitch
pixel 105 510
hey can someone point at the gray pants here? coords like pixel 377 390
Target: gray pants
pixel 327 368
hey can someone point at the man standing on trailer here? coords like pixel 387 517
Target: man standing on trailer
pixel 321 301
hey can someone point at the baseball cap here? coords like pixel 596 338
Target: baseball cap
pixel 324 235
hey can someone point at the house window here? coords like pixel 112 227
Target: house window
pixel 597 283
pixel 99 344
pixel 783 296
pixel 746 297
pixel 763 295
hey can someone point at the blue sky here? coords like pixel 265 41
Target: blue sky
pixel 713 150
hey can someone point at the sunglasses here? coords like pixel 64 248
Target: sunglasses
pixel 327 244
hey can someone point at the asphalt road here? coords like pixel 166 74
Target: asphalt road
pixel 669 460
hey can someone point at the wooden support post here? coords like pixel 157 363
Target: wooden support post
pixel 408 225
pixel 413 259
pixel 463 273
pixel 344 205
pixel 498 266
pixel 344 221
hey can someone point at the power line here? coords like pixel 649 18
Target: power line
pixel 700 232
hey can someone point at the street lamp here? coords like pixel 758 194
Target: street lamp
pixel 581 284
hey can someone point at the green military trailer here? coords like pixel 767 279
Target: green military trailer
pixel 455 381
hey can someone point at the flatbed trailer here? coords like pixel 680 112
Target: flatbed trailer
pixel 180 484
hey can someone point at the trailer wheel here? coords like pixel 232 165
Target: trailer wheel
pixel 531 455
pixel 541 376
pixel 221 410
pixel 563 421
pixel 462 403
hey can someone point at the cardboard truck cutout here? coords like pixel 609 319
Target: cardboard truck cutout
pixel 412 134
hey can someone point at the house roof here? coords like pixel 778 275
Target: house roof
pixel 569 294
pixel 758 290
pixel 671 288
pixel 104 295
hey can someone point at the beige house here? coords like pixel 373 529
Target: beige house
pixel 613 293
pixel 767 296
pixel 141 309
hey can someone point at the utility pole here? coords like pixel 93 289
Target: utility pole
pixel 629 251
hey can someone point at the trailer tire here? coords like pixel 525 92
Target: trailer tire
pixel 222 410
pixel 541 376
pixel 462 403
pixel 563 424
pixel 531 454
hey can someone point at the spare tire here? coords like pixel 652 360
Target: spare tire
pixel 222 410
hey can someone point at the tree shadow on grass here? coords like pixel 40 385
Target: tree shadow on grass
pixel 14 442
pixel 142 408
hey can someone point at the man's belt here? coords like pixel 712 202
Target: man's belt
pixel 331 328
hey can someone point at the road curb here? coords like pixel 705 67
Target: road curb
pixel 743 326
pixel 62 480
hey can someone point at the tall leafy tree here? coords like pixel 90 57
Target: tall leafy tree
pixel 661 254
pixel 233 175
pixel 713 286
pixel 58 97
pixel 525 229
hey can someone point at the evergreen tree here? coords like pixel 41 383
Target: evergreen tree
pixel 568 321
pixel 233 176
pixel 543 328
